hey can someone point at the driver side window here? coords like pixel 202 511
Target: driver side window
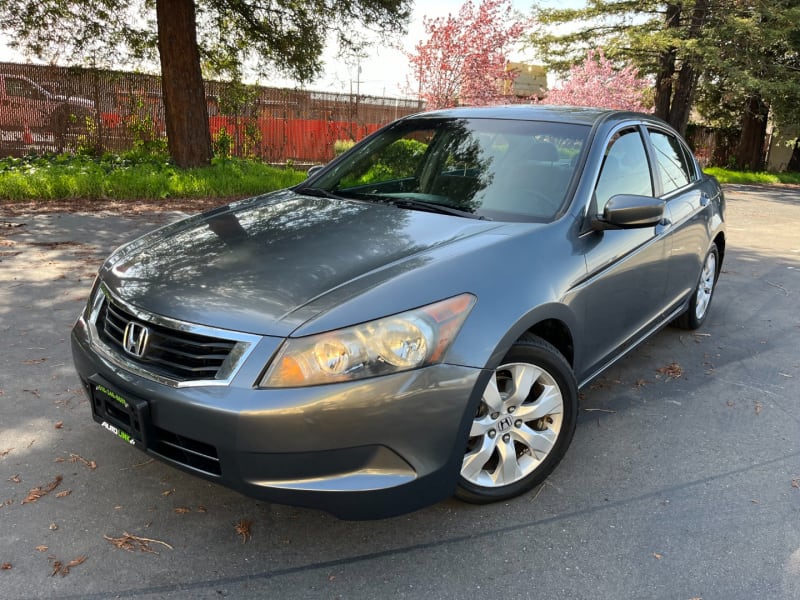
pixel 625 169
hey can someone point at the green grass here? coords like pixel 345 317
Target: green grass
pixel 729 176
pixel 135 176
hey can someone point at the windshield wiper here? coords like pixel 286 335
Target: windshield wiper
pixel 432 207
pixel 317 193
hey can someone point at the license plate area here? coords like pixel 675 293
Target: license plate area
pixel 122 415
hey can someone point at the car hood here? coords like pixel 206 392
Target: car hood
pixel 252 266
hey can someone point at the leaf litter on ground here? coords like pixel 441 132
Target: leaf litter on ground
pixel 672 370
pixel 63 569
pixel 243 529
pixel 135 543
pixel 78 458
pixel 41 491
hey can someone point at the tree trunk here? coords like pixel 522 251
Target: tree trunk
pixel 185 108
pixel 666 67
pixel 683 93
pixel 750 150
pixel 682 98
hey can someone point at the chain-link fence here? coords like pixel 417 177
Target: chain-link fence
pixel 54 109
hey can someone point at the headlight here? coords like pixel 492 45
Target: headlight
pixel 398 343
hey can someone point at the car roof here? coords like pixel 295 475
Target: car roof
pixel 539 112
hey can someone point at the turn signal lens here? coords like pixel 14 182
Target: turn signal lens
pixel 390 345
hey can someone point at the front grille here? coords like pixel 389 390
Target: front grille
pixel 186 451
pixel 172 353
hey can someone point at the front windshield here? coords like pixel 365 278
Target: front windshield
pixel 493 168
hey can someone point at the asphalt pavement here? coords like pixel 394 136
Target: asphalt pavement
pixel 683 480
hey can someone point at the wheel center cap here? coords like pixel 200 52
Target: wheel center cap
pixel 505 424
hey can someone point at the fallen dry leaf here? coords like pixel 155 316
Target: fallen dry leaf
pixel 41 491
pixel 243 529
pixel 758 407
pixel 182 510
pixel 673 370
pixel 6 566
pixel 640 383
pixel 657 556
pixel 167 492
pixel 56 568
pixel 201 509
pixel 730 403
pixel 63 569
pixel 5 452
pixel 796 483
pixel 73 563
pixel 63 494
pixel 14 478
pixel 59 424
pixel 133 543
pixel 78 458
pixel 53 527
pixel 33 361
pixel 41 548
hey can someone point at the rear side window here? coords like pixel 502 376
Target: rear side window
pixel 673 169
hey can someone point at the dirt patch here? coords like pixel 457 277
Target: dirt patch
pixel 120 207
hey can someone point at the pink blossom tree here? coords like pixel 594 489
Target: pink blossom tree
pixel 463 60
pixel 597 83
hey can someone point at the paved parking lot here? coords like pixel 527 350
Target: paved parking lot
pixel 683 480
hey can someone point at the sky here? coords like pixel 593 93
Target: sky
pixel 385 70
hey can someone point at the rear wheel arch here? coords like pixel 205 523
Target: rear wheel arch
pixel 719 240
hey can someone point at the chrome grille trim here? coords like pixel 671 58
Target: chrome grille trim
pixel 235 346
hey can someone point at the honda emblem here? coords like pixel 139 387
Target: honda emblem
pixel 135 339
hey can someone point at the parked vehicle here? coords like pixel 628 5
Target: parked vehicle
pixel 24 104
pixel 412 321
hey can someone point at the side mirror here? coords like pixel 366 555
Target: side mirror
pixel 627 211
pixel 313 170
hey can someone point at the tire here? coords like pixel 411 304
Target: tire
pixel 700 302
pixel 523 426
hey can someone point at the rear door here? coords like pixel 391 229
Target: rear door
pixel 678 178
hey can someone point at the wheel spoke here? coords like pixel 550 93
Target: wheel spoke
pixel 539 442
pixel 491 396
pixel 474 461
pixel 524 377
pixel 507 470
pixel 481 426
pixel 549 402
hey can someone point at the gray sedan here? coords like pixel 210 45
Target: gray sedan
pixel 415 319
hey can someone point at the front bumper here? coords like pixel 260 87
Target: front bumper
pixel 367 449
